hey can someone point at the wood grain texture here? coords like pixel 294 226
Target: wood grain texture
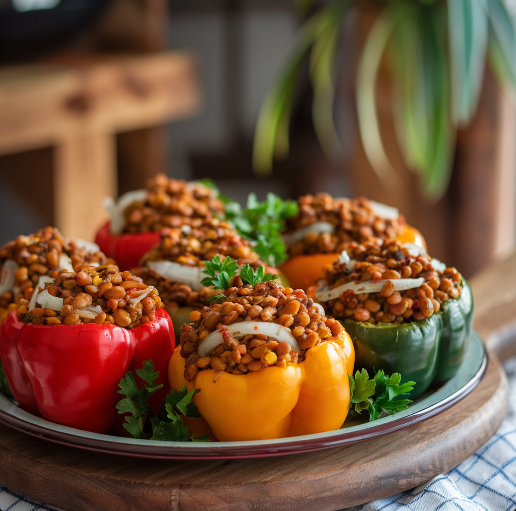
pixel 494 293
pixel 42 104
pixel 330 479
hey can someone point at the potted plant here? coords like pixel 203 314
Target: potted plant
pixel 432 55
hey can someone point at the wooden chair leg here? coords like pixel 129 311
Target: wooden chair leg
pixel 84 173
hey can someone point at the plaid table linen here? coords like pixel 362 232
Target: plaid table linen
pixel 486 481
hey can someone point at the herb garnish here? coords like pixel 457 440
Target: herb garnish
pixel 220 274
pixel 262 222
pixel 381 395
pixel 167 424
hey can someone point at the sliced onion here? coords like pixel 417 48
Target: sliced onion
pixel 345 259
pixel 415 250
pixel 89 311
pixel 175 272
pixel 8 277
pixel 300 234
pixel 133 301
pixel 116 209
pixel 186 229
pixel 438 265
pixel 368 286
pixel 88 246
pixel 41 284
pixel 65 263
pixel 47 301
pixel 384 211
pixel 278 332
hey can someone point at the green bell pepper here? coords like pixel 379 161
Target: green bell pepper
pixel 427 351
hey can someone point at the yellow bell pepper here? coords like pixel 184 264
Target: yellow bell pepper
pixel 300 399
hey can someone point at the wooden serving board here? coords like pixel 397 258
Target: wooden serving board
pixel 330 479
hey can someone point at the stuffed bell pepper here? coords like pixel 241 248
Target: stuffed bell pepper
pixel 324 227
pixel 65 351
pixel 175 266
pixel 266 360
pixel 25 259
pixel 138 216
pixel 406 312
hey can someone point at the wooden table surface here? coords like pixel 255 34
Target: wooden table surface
pixel 329 479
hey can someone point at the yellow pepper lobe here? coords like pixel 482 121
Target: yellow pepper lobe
pixel 324 398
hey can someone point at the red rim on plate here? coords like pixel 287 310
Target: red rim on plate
pixel 469 375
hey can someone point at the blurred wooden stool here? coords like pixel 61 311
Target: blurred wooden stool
pixel 78 103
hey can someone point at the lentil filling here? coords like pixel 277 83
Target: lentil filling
pixel 40 254
pixel 267 302
pixel 391 261
pixel 353 220
pixel 170 203
pixel 102 295
pixel 191 246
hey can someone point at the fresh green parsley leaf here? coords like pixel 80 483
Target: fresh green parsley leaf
pixel 219 272
pixel 381 395
pixel 167 424
pixel 249 276
pixel 262 222
pixel 216 298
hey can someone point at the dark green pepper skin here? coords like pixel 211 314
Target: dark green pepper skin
pixel 427 351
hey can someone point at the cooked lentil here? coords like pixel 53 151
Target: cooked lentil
pixel 110 294
pixel 266 302
pixel 390 261
pixel 171 203
pixel 38 254
pixel 191 247
pixel 354 220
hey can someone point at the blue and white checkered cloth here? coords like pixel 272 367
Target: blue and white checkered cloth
pixel 484 482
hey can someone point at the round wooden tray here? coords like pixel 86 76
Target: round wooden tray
pixel 329 479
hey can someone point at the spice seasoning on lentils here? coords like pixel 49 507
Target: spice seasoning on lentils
pixel 39 254
pixel 170 203
pixel 266 302
pixel 352 220
pixel 102 295
pixel 190 247
pixel 388 267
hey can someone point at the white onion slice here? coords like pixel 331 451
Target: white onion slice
pixel 368 286
pixel 415 250
pixel 133 301
pixel 8 277
pixel 116 209
pixel 175 272
pixel 300 234
pixel 438 265
pixel 88 246
pixel 47 301
pixel 345 259
pixel 278 332
pixel 89 311
pixel 41 284
pixel 65 263
pixel 384 211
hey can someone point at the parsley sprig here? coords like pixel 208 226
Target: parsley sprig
pixel 220 274
pixel 167 424
pixel 381 395
pixel 262 222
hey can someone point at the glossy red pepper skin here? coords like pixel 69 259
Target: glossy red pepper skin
pixel 126 249
pixel 70 374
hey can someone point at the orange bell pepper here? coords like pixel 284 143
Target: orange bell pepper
pixel 300 399
pixel 302 271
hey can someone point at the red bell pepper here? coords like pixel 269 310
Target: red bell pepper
pixel 70 374
pixel 126 249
